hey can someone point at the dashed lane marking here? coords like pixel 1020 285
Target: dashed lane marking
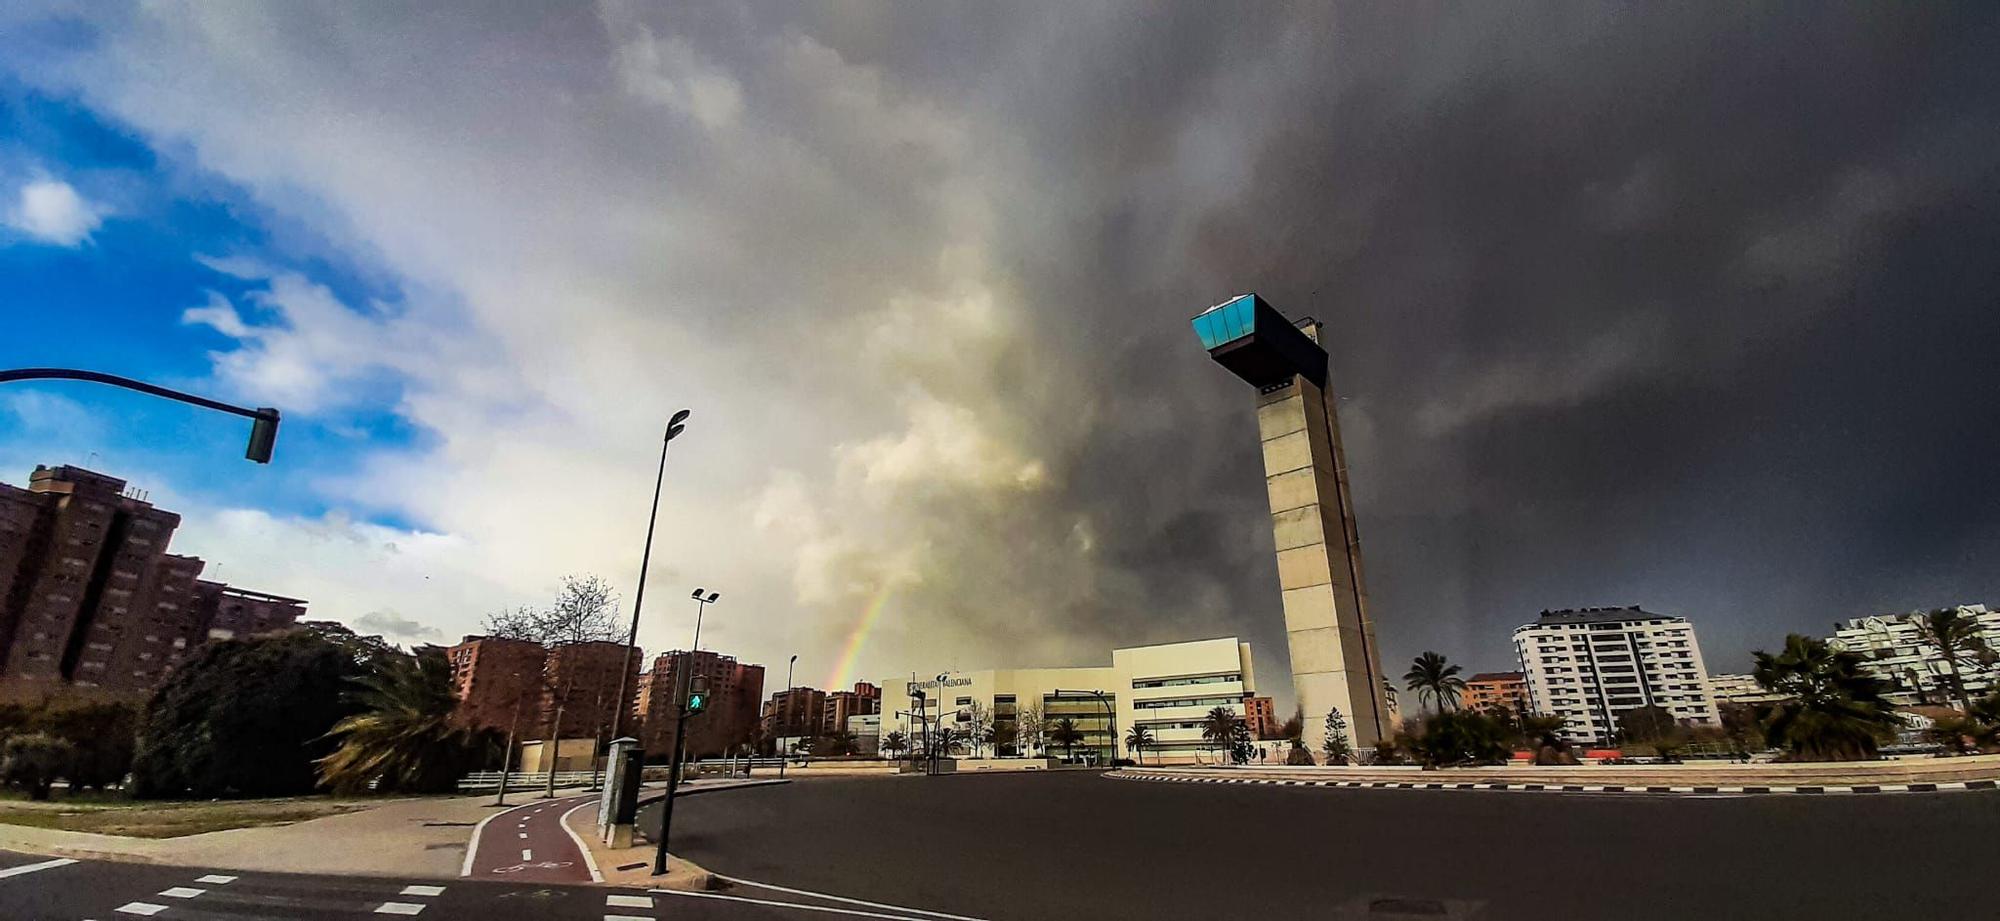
pixel 141 908
pixel 398 908
pixel 424 891
pixel 215 879
pixel 627 918
pixel 26 869
pixel 628 901
pixel 527 855
pixel 181 892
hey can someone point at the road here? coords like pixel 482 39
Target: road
pixel 1077 845
pixel 35 888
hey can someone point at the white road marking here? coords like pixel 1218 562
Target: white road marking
pixel 425 891
pixel 181 892
pixel 215 879
pixel 527 855
pixel 589 862
pixel 398 908
pixel 524 836
pixel 472 848
pixel 628 901
pixel 141 908
pixel 840 898
pixel 793 905
pixel 26 869
pixel 627 918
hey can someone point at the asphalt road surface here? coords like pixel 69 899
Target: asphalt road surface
pixel 35 888
pixel 1077 845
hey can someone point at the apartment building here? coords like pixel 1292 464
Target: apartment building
pixel 90 598
pixel 1260 716
pixel 1915 670
pixel 1505 691
pixel 499 684
pixel 735 690
pixel 1590 665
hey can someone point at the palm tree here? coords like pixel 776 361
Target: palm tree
pixel 1436 680
pixel 896 743
pixel 404 737
pixel 1835 711
pixel 1218 727
pixel 1956 637
pixel 1137 740
pixel 1063 732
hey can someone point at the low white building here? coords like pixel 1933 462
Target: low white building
pixel 867 731
pixel 1739 689
pixel 1167 688
pixel 1891 651
pixel 1590 665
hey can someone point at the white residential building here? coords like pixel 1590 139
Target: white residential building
pixel 1590 665
pixel 1166 688
pixel 1890 650
pixel 1739 689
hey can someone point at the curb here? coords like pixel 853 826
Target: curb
pixel 1950 787
pixel 658 795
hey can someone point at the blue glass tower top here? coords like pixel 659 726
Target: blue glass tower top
pixel 1255 342
pixel 1226 322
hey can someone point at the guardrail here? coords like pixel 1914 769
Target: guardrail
pixel 490 780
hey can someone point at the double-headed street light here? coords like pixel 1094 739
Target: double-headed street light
pixel 780 747
pixel 690 697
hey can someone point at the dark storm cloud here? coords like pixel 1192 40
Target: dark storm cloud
pixel 1686 307
pixel 1689 309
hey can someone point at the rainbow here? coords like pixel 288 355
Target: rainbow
pixel 843 667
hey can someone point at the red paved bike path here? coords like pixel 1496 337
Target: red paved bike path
pixel 527 844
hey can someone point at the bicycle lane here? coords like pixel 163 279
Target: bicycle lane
pixel 528 844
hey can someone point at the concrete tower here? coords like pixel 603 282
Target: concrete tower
pixel 1330 636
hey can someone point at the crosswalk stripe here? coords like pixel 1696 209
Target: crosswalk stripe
pixel 141 908
pixel 36 867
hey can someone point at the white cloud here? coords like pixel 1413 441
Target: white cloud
pixel 51 211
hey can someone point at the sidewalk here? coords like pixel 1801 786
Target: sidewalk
pixel 421 837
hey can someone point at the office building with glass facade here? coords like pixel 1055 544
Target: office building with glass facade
pixel 1167 688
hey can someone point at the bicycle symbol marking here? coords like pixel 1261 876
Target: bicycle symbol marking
pixel 539 865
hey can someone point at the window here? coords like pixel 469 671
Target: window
pixel 963 702
pixel 1183 682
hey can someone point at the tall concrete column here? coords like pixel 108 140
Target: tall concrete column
pixel 1331 639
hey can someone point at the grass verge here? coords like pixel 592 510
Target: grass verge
pixel 172 819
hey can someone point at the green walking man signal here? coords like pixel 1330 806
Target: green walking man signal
pixel 698 696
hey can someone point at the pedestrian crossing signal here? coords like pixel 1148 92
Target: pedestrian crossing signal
pixel 697 701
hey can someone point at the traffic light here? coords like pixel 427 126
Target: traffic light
pixel 263 435
pixel 698 695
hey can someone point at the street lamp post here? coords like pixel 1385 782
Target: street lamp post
pixel 263 419
pixel 1110 718
pixel 681 688
pixel 785 719
pixel 674 427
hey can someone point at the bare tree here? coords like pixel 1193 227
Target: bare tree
pixel 978 727
pixel 584 611
pixel 1028 729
